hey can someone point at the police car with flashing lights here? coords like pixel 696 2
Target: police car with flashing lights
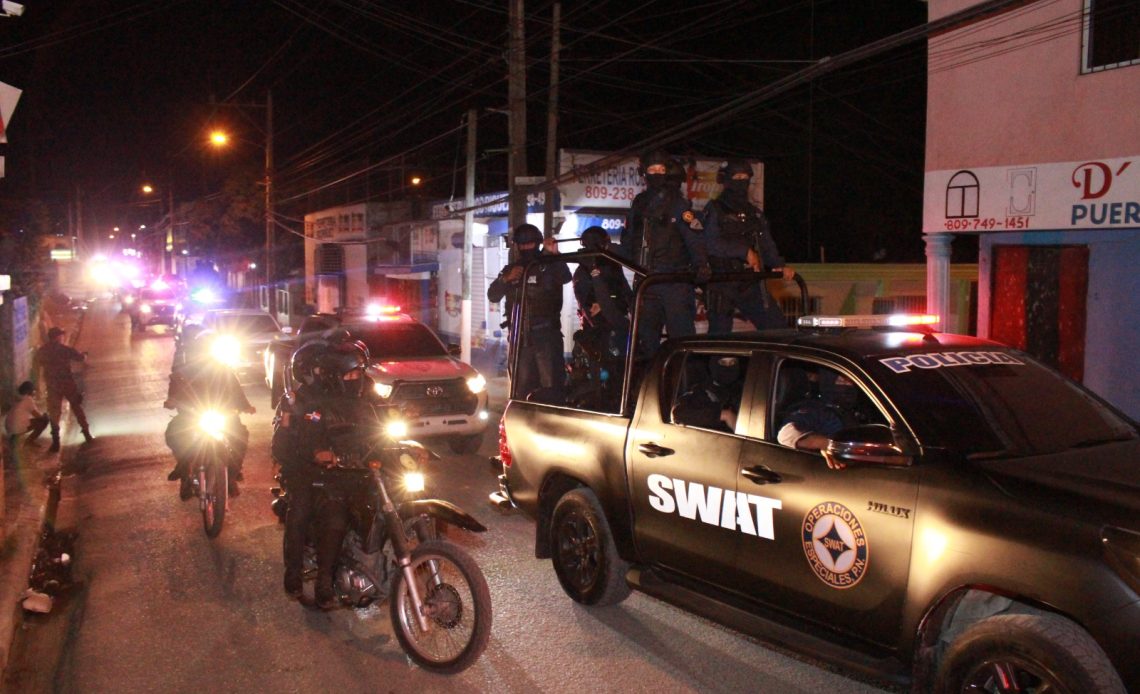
pixel 437 393
pixel 968 519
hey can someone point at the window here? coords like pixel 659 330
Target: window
pixel 1111 34
pixel 814 401
pixel 708 391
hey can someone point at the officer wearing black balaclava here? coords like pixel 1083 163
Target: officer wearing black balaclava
pixel 739 239
pixel 541 367
pixel 715 401
pixel 604 298
pixel 662 234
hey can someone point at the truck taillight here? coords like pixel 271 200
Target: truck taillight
pixel 504 449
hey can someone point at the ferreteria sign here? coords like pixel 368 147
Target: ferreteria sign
pixel 617 185
pixel 1093 194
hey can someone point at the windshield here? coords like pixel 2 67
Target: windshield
pixel 245 323
pixel 1011 406
pixel 387 341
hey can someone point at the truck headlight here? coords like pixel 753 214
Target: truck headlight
pixel 226 349
pixel 476 383
pixel 384 390
pixel 396 429
pixel 145 308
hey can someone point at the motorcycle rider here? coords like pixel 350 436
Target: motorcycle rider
pixel 662 234
pixel 328 419
pixel 198 383
pixel 739 238
pixel 541 369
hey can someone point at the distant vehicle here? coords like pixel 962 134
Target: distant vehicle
pixel 154 305
pixel 438 394
pixel 241 336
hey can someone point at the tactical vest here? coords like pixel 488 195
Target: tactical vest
pixel 661 249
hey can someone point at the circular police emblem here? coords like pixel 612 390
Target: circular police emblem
pixel 834 544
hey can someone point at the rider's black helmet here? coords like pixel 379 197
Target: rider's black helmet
pixel 340 368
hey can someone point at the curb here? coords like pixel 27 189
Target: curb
pixel 37 513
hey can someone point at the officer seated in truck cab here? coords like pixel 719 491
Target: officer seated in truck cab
pixel 713 401
pixel 816 402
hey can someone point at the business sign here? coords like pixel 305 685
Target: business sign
pixel 616 186
pixel 1093 194
pixel 487 205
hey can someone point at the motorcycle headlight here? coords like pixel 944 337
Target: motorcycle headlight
pixel 145 308
pixel 128 300
pixel 414 482
pixel 226 349
pixel 476 383
pixel 213 424
pixel 384 390
pixel 396 429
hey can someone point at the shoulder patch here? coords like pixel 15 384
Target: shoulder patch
pixel 692 221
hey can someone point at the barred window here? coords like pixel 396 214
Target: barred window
pixel 1111 34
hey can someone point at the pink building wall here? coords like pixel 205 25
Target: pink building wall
pixel 1028 103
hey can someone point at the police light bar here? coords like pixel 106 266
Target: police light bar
pixel 377 310
pixel 895 320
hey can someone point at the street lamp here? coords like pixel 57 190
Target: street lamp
pixel 219 138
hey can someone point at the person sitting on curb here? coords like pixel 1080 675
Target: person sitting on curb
pixel 24 418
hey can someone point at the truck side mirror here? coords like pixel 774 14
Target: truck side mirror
pixel 869 443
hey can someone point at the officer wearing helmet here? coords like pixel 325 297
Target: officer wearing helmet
pixel 663 234
pixel 739 239
pixel 604 298
pixel 541 368
pixel 322 426
pixel 199 381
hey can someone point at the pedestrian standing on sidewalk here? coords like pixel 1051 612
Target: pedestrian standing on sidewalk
pixel 55 358
pixel 24 418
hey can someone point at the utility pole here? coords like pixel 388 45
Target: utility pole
pixel 269 230
pixel 552 121
pixel 516 98
pixel 468 228
pixel 171 246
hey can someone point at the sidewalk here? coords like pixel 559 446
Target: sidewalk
pixel 31 496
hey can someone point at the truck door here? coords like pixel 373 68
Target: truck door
pixel 842 544
pixel 683 465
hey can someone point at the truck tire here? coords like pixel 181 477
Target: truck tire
pixel 584 555
pixel 1026 652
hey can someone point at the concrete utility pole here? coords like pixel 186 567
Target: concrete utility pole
pixel 516 98
pixel 552 121
pixel 468 229
pixel 269 230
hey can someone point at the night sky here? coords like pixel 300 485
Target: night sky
pixel 116 93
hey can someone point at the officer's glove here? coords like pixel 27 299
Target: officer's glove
pixel 704 273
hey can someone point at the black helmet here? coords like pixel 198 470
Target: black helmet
pixel 675 171
pixel 595 239
pixel 304 362
pixel 340 368
pixel 198 348
pixel 733 166
pixel 657 156
pixel 527 233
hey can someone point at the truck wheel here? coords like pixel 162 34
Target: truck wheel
pixel 585 557
pixel 1026 652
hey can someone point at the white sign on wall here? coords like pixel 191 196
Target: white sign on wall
pixel 1094 194
pixel 617 185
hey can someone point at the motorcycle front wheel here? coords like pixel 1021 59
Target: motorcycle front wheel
pixel 456 602
pixel 213 485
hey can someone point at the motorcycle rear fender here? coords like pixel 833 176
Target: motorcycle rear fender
pixel 444 511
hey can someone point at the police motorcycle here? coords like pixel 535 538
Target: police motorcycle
pixel 207 428
pixel 439 601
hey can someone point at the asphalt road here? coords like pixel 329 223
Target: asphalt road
pixel 158 607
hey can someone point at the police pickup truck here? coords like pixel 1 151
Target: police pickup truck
pixel 972 525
